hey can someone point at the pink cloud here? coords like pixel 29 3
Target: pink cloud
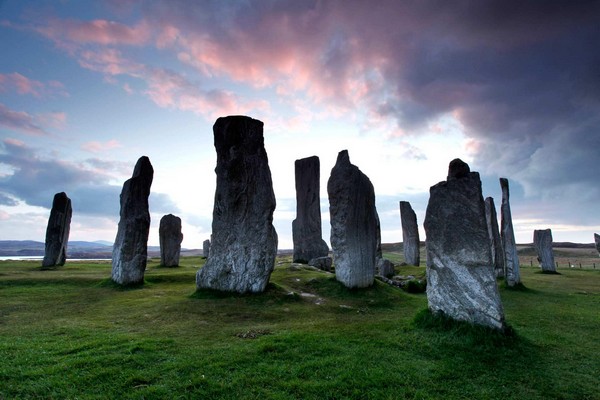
pixel 23 85
pixel 96 31
pixel 20 121
pixel 97 147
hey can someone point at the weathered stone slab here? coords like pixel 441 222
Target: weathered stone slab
pixel 244 241
pixel 170 238
pixel 542 241
pixel 130 251
pixel 323 263
pixel 206 248
pixel 57 231
pixel 354 224
pixel 460 277
pixel 494 234
pixel 410 234
pixel 385 268
pixel 306 228
pixel 512 271
pixel 597 241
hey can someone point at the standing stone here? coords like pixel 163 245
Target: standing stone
pixel 306 228
pixel 57 231
pixel 354 224
pixel 511 259
pixel 385 268
pixel 542 241
pixel 410 234
pixel 130 250
pixel 460 277
pixel 244 241
pixel 494 234
pixel 206 248
pixel 597 241
pixel 170 237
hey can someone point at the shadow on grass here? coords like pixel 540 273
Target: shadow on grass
pixel 470 334
pixel 273 292
pixel 109 283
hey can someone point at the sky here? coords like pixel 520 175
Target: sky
pixel 88 87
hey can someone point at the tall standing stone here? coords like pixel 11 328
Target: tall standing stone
pixel 460 277
pixel 306 228
pixel 170 238
pixel 512 272
pixel 244 241
pixel 597 241
pixel 354 224
pixel 542 241
pixel 130 251
pixel 410 234
pixel 494 234
pixel 206 248
pixel 57 231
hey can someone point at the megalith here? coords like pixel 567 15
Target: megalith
pixel 460 276
pixel 512 273
pixel 206 248
pixel 130 250
pixel 306 228
pixel 410 234
pixel 354 224
pixel 542 241
pixel 244 241
pixel 597 241
pixel 57 231
pixel 494 234
pixel 170 238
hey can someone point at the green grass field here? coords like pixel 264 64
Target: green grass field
pixel 70 333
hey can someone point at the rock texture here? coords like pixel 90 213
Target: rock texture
pixel 512 271
pixel 597 241
pixel 494 234
pixel 306 228
pixel 57 231
pixel 170 238
pixel 410 234
pixel 385 268
pixel 354 224
pixel 130 250
pixel 244 241
pixel 460 277
pixel 542 241
pixel 323 263
pixel 206 248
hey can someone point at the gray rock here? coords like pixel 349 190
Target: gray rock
pixel 170 237
pixel 244 241
pixel 460 277
pixel 494 234
pixel 385 268
pixel 130 251
pixel 206 248
pixel 306 228
pixel 57 231
pixel 512 271
pixel 597 241
pixel 354 224
pixel 410 234
pixel 323 263
pixel 542 241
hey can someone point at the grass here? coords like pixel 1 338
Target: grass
pixel 70 333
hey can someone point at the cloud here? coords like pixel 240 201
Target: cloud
pixel 23 85
pixel 97 147
pixel 20 121
pixel 35 180
pixel 98 31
